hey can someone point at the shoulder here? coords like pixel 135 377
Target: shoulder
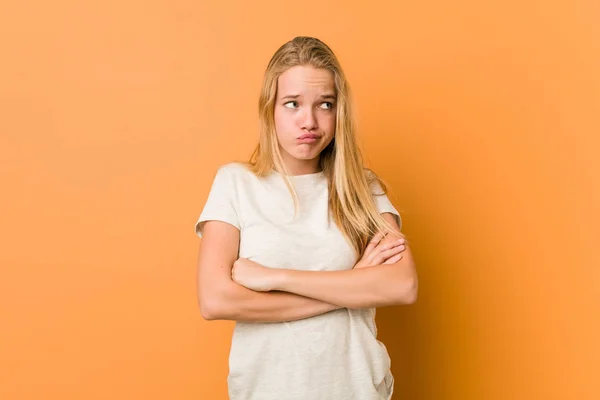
pixel 234 169
pixel 369 174
pixel 238 175
pixel 376 184
pixel 231 167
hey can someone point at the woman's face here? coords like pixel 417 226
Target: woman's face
pixel 305 113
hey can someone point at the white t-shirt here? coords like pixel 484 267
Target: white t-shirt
pixel 332 356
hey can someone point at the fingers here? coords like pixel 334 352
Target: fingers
pixel 377 252
pixel 394 259
pixel 376 239
pixel 390 245
pixel 373 243
pixel 388 250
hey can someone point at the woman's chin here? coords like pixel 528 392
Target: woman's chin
pixel 301 153
pixel 305 157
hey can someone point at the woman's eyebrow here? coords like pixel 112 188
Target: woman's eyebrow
pixel 290 96
pixel 327 96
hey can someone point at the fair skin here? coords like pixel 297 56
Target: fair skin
pixel 305 106
pixel 374 286
pixel 222 298
pixel 238 289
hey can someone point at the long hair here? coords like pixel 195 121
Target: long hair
pixel 350 196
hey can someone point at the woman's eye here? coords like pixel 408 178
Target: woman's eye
pixel 327 105
pixel 291 104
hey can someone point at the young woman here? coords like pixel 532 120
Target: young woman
pixel 301 244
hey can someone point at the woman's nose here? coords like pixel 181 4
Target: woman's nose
pixel 309 120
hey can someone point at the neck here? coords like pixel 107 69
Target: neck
pixel 301 167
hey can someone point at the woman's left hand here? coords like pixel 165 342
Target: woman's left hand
pixel 253 275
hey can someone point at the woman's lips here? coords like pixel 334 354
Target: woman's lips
pixel 309 138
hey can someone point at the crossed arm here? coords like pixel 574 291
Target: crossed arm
pixel 286 295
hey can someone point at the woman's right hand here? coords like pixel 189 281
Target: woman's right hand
pixel 378 252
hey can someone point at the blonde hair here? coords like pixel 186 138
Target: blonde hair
pixel 350 196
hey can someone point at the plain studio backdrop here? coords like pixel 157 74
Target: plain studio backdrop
pixel 483 118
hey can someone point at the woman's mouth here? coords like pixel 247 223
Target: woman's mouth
pixel 308 138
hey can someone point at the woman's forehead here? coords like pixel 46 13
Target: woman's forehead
pixel 300 79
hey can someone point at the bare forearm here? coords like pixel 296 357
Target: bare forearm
pixel 377 286
pixel 237 303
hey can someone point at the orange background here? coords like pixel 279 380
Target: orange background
pixel 483 117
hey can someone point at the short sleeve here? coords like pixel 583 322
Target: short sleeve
pixel 383 203
pixel 220 204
